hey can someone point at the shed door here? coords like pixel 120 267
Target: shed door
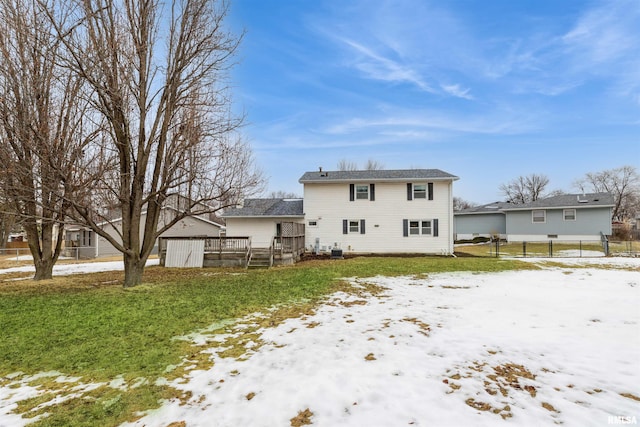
pixel 185 253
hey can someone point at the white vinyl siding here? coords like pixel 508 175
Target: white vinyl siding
pixel 326 203
pixel 261 230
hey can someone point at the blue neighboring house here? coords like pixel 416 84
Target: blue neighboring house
pixel 568 217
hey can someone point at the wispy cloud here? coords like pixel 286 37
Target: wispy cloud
pixel 379 67
pixel 420 122
pixel 605 42
pixel 457 91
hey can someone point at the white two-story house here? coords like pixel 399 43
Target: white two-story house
pixel 379 211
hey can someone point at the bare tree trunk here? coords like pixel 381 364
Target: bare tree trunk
pixel 133 270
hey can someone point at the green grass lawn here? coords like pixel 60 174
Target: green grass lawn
pixel 88 326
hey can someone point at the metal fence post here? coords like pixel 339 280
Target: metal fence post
pixel 524 249
pixel 550 248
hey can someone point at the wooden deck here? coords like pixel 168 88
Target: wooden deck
pixel 229 251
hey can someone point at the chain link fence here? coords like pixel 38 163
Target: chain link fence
pixel 551 249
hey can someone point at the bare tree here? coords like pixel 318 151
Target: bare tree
pixel 347 165
pixel 373 165
pixel 623 183
pixel 159 83
pixel 461 204
pixel 41 127
pixel 283 195
pixel 525 189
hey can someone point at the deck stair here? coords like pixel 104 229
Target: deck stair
pixel 261 258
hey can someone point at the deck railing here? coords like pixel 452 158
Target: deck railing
pixel 291 240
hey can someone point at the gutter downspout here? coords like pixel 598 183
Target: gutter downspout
pixel 450 209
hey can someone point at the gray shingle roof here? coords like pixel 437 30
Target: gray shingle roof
pixel 567 201
pixel 556 202
pixel 376 175
pixel 495 207
pixel 267 207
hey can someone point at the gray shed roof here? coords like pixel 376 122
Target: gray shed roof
pixel 376 175
pixel 267 208
pixel 588 200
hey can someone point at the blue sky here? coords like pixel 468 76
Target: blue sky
pixel 485 90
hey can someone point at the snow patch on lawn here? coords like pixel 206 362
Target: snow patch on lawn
pixel 521 348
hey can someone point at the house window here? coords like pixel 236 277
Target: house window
pixel 420 191
pixel 539 216
pixel 362 192
pixel 569 214
pixel 418 227
pixel 414 227
pixel 353 226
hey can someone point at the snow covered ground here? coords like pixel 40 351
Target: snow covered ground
pixel 87 267
pixel 526 348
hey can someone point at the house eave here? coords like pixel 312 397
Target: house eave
pixel 557 207
pixel 373 180
pixel 262 216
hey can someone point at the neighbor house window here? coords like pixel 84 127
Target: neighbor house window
pixel 569 214
pixel 539 216
pixel 354 226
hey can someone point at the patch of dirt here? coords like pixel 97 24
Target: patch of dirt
pixel 302 419
pixel 369 357
pixel 424 327
pixel 549 407
pixel 352 303
pixel 499 380
pixel 630 396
